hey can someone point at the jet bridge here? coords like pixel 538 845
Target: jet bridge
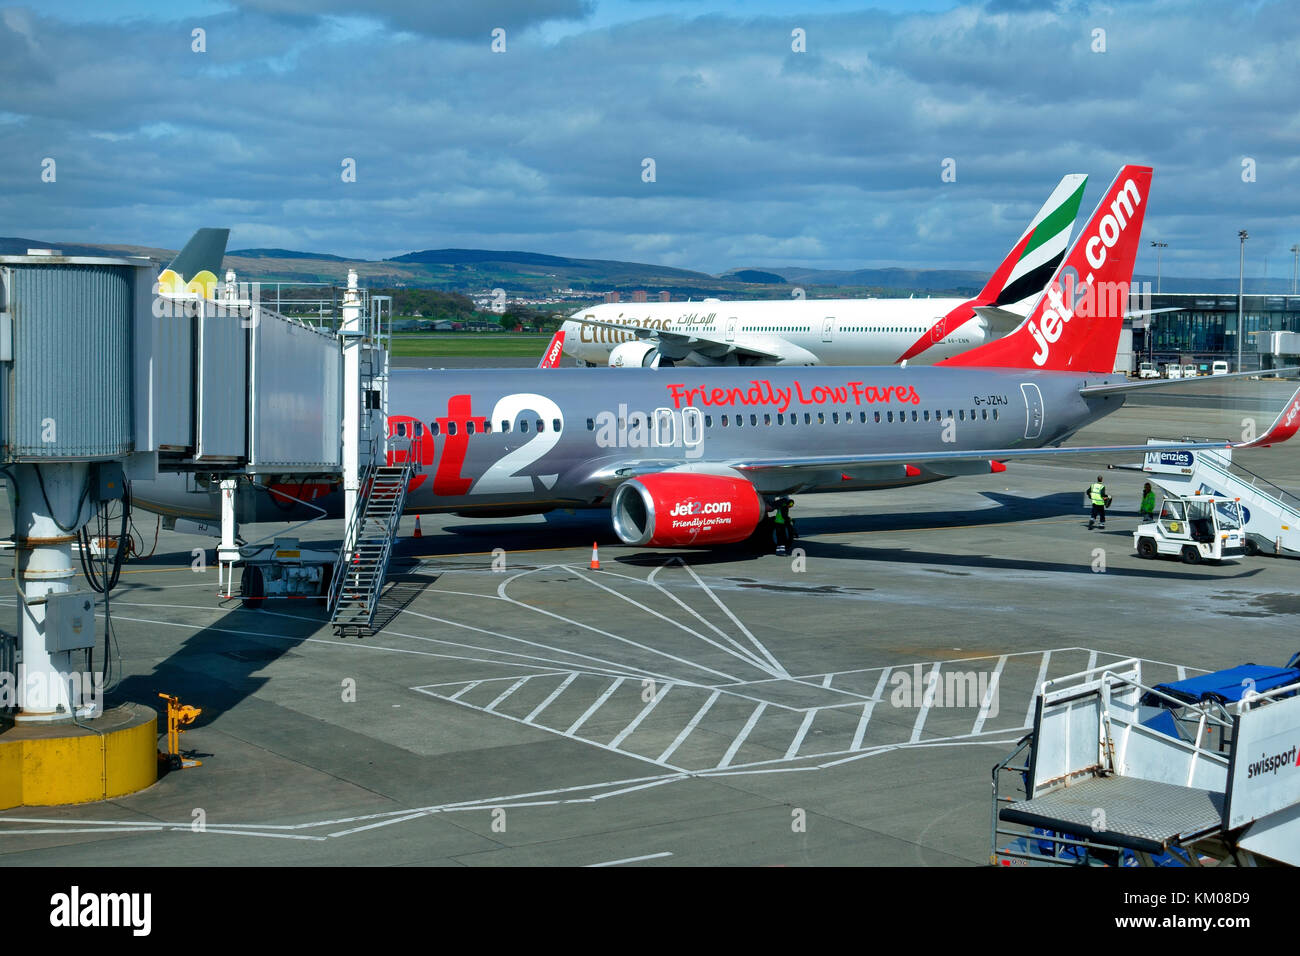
pixel 105 378
pixel 1193 773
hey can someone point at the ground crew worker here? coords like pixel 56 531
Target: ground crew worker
pixel 1148 509
pixel 783 527
pixel 1100 500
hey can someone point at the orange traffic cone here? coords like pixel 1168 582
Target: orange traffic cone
pixel 418 532
pixel 595 557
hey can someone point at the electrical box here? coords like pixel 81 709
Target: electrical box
pixel 69 621
pixel 110 482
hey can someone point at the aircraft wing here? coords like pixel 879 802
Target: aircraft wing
pixel 679 338
pixel 1118 387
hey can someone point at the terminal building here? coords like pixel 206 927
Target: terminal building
pixel 1203 329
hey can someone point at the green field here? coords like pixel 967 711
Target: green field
pixel 465 344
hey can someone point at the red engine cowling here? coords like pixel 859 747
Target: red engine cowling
pixel 674 510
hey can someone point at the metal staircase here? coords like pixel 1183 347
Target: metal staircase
pixel 367 546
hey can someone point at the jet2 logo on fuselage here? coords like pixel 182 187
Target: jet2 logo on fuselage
pixel 455 429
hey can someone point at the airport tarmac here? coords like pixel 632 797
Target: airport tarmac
pixel 672 708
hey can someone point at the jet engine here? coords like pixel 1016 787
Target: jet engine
pixel 633 355
pixel 674 510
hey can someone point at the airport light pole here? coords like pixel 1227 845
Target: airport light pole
pixel 1160 247
pixel 1241 291
pixel 1295 264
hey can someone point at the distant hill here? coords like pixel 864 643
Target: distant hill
pixel 538 275
pixel 467 256
pixel 287 254
pixel 918 280
pixel 489 258
pixel 15 246
pixel 755 275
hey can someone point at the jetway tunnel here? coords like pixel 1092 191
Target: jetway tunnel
pixel 105 380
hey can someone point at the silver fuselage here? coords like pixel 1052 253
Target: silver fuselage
pixel 502 441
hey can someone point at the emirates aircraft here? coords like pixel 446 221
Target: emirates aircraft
pixel 692 457
pixel 832 331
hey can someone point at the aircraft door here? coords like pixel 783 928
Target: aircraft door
pixel 1033 409
pixel 828 328
pixel 731 329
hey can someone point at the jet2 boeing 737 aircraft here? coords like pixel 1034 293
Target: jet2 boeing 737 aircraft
pixel 832 331
pixel 688 457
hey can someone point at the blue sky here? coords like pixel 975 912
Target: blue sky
pixel 763 156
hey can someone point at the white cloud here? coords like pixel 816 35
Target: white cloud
pixel 827 158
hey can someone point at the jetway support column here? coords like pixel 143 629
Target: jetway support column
pixel 43 568
pixel 228 549
pixel 352 334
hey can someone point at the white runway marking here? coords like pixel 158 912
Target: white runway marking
pixel 690 726
pixel 1037 686
pixel 741 737
pixel 551 699
pixel 990 694
pixel 867 708
pixel 510 690
pixel 931 685
pixel 607 672
pixel 645 712
pixel 594 707
pixel 632 859
pixel 793 750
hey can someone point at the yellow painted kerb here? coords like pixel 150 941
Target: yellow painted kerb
pixel 50 765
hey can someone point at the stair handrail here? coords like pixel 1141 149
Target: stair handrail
pixel 348 544
pixel 1278 495
pixel 407 462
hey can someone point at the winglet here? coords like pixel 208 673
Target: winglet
pixel 1286 425
pixel 554 352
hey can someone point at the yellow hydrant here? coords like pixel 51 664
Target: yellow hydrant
pixel 178 714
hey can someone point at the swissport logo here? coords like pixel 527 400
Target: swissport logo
pixel 1051 324
pixel 1272 764
pixel 685 509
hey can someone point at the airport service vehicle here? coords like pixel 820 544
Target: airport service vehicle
pixel 1219 368
pixel 692 457
pixel 1191 371
pixel 1196 528
pixel 1148 370
pixel 831 331
pixel 1173 371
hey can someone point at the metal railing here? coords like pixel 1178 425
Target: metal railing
pixel 1260 485
pixel 8 674
pixel 349 540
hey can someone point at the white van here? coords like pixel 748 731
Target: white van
pixel 1219 368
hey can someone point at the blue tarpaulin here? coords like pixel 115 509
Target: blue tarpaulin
pixel 1227 686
